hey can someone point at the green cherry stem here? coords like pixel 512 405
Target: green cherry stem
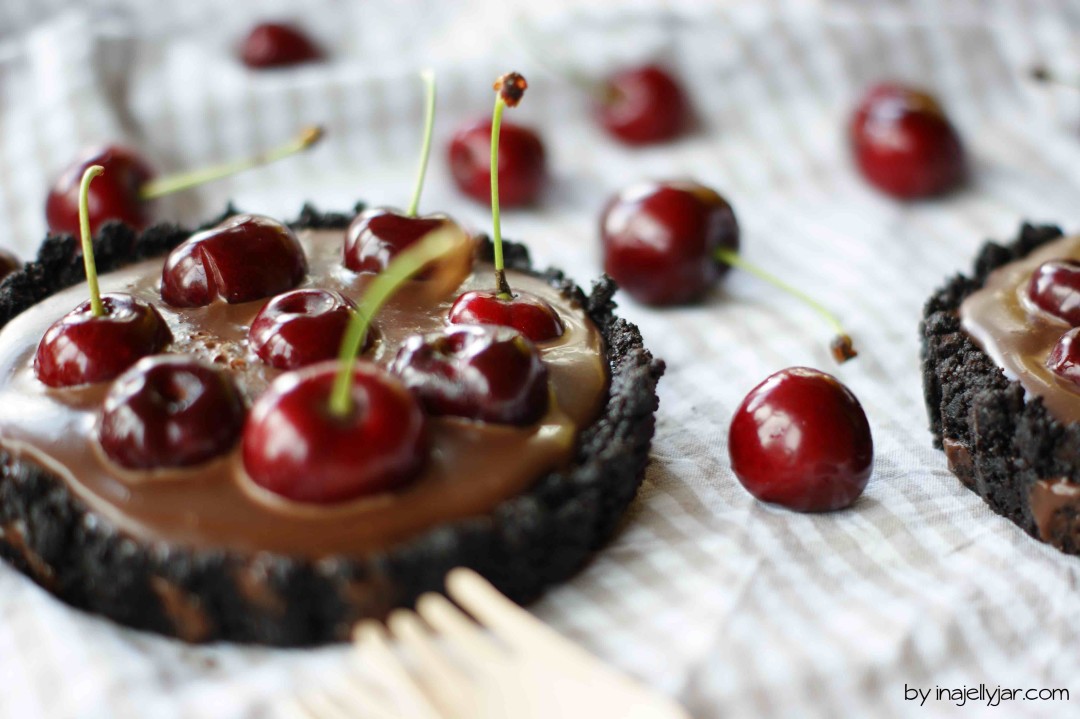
pixel 509 90
pixel 169 184
pixel 842 347
pixel 96 306
pixel 407 263
pixel 428 77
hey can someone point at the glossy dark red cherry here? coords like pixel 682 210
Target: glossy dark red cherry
pixel 245 258
pixel 294 446
pixel 528 314
pixel 904 143
pixel 1064 358
pixel 482 372
pixel 377 235
pixel 660 240
pixel 170 411
pixel 8 263
pixel 1055 288
pixel 643 105
pixel 273 44
pixel 113 196
pixel 301 327
pixel 522 163
pixel 800 439
pixel 81 348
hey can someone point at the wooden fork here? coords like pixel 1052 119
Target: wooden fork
pixel 504 664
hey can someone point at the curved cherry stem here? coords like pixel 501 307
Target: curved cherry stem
pixel 509 90
pixel 428 77
pixel 169 184
pixel 432 247
pixel 841 346
pixel 96 306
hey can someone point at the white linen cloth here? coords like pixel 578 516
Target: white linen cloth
pixel 734 607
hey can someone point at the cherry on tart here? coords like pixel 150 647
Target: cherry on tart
pixel 533 317
pixel 667 243
pixel 904 143
pixel 1064 358
pixel 522 164
pixel 301 327
pixel 275 44
pixel 341 430
pixel 800 439
pixel 245 258
pixel 643 105
pixel 1055 289
pixel 377 235
pixel 103 336
pixel 170 411
pixel 126 189
pixel 491 374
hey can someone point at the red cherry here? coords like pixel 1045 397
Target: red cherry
pixel 8 263
pixel 522 166
pixel 245 258
pixel 81 348
pixel 487 373
pixel 294 446
pixel 377 235
pixel 660 239
pixel 643 105
pixel 113 196
pixel 528 314
pixel 170 411
pixel 800 439
pixel 301 327
pixel 905 145
pixel 1055 288
pixel 272 44
pixel 1064 358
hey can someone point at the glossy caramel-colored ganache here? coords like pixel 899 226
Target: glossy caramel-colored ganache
pixel 471 467
pixel 1018 336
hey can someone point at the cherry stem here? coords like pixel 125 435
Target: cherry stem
pixel 96 306
pixel 428 77
pixel 169 184
pixel 841 346
pixel 509 90
pixel 432 247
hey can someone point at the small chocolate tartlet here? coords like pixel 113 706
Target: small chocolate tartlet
pixel 201 594
pixel 1001 442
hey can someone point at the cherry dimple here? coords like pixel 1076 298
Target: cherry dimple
pixel 379 446
pixel 486 373
pixel 170 411
pixel 245 258
pixel 522 164
pixel 800 439
pixel 301 327
pixel 81 348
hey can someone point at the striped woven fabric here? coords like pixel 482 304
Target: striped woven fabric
pixel 734 607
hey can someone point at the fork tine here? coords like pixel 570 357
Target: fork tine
pixel 506 620
pixel 370 636
pixel 466 635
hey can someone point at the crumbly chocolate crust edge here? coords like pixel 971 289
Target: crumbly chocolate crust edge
pixel 525 545
pixel 998 443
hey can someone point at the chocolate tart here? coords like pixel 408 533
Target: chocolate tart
pixel 198 592
pixel 1017 446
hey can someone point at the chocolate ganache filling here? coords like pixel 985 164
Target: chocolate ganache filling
pixel 472 466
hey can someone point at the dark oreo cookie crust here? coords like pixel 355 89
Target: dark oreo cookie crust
pixel 527 543
pixel 999 444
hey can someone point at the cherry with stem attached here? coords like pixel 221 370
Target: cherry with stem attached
pixel 528 314
pixel 341 430
pixel 377 235
pixel 103 336
pixel 128 187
